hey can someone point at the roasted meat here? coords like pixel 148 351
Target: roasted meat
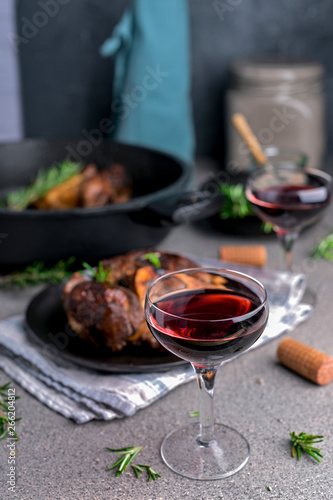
pixel 89 188
pixel 67 194
pixel 102 314
pixel 111 313
pixel 121 182
pixel 97 191
pixel 110 185
pixel 124 267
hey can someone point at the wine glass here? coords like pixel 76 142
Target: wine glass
pixel 289 197
pixel 206 316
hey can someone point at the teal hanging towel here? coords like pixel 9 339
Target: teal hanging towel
pixel 151 104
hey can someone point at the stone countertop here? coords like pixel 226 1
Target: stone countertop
pixel 58 459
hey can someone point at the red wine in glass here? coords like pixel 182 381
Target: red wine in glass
pixel 190 322
pixel 206 316
pixel 290 198
pixel 292 206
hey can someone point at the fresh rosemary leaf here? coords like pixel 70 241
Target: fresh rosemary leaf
pixel 128 455
pixel 153 258
pixel 152 475
pixel 236 205
pixel 98 274
pixel 44 181
pixel 304 443
pixel 38 273
pixel 137 469
pixel 324 250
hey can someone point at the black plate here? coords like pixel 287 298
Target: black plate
pixel 48 326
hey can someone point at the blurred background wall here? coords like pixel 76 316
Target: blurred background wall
pixel 10 112
pixel 66 85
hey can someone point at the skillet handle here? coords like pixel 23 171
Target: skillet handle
pixel 183 208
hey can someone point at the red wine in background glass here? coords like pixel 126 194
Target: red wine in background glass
pixel 291 206
pixel 199 325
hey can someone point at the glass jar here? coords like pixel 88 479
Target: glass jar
pixel 280 156
pixel 283 101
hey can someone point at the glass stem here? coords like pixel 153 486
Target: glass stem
pixel 287 239
pixel 206 380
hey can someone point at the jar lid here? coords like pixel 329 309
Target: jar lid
pixel 275 70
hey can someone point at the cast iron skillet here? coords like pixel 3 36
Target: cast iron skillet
pixel 160 200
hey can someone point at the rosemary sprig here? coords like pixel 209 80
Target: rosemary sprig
pixel 44 181
pixel 152 475
pixel 153 258
pixel 237 206
pixel 38 273
pixel 98 274
pixel 324 250
pixel 4 420
pixel 303 442
pixel 128 455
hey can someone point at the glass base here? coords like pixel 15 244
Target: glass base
pixel 227 455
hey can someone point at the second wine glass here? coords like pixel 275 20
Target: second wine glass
pixel 289 197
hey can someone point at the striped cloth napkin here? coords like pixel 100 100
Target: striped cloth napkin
pixel 83 394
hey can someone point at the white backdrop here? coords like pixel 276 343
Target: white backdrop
pixel 10 109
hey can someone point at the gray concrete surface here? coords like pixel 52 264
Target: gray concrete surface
pixel 58 459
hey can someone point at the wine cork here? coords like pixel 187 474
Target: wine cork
pixel 255 255
pixel 306 361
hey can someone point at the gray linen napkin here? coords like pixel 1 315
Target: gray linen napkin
pixel 83 394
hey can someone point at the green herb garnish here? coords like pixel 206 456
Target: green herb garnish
pixel 237 206
pixel 44 181
pixel 153 258
pixel 303 442
pixel 194 414
pixel 98 274
pixel 4 420
pixel 266 227
pixel 324 250
pixel 152 475
pixel 128 455
pixel 38 273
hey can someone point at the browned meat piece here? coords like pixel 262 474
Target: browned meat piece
pixel 106 315
pixel 67 194
pixel 143 277
pixel 124 267
pixel 62 197
pixel 122 183
pixel 97 191
pixel 173 262
pixel 143 335
pixel 113 315
pixel 110 185
pixel 89 171
pixel 89 188
pixel 74 280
